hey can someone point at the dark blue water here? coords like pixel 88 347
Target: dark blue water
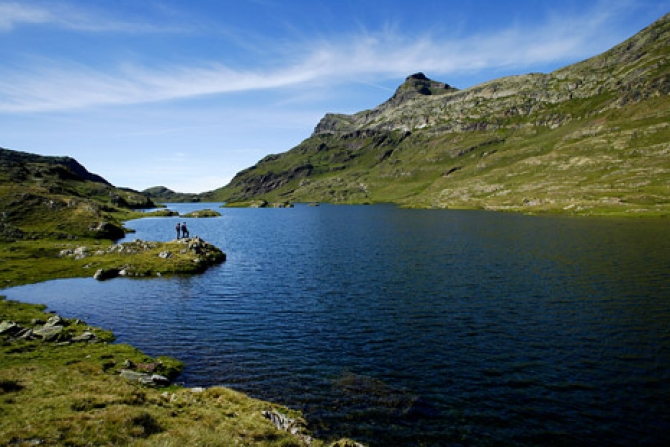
pixel 414 327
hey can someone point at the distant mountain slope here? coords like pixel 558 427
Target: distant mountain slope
pixel 593 137
pixel 44 196
pixel 163 195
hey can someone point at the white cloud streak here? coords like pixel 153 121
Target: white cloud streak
pixel 365 57
pixel 14 15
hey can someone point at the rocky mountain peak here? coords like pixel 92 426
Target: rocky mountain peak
pixel 419 83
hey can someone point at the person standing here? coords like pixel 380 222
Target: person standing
pixel 178 228
pixel 184 230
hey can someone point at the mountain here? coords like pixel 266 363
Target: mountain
pixel 590 138
pixel 163 194
pixel 43 196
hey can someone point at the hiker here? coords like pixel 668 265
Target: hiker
pixel 178 228
pixel 184 230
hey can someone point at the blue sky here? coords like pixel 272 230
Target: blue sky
pixel 186 94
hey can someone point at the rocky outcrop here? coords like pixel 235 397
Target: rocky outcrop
pixel 62 332
pixel 55 329
pixel 415 86
pixel 296 427
pixel 185 255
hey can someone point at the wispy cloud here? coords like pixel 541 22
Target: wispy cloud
pixel 61 15
pixel 14 14
pixel 362 57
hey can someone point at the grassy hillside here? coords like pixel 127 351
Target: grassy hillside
pixel 59 220
pixel 57 197
pixel 591 138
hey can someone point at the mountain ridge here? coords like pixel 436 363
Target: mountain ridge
pixel 476 148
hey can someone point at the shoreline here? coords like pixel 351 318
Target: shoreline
pixel 101 392
pixel 82 388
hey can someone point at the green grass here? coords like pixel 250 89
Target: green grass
pixel 73 395
pixel 25 262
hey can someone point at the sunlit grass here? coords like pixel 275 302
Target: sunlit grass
pixel 53 394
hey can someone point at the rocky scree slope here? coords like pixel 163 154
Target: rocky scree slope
pixel 590 138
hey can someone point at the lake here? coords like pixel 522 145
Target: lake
pixel 413 327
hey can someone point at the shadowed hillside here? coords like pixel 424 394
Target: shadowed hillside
pixel 57 197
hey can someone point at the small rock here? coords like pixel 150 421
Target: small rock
pixel 25 334
pixel 48 333
pixel 160 380
pixel 107 273
pixel 85 337
pixel 9 328
pixel 132 375
pixel 145 379
pixel 56 320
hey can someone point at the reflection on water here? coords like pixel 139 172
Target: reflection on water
pixel 411 327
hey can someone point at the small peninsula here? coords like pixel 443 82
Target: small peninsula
pixel 63 382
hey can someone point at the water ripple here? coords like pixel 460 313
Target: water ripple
pixel 401 327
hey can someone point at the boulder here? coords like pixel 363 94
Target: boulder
pixel 56 320
pixel 9 328
pixel 159 380
pixel 84 337
pixel 106 230
pixel 48 333
pixel 106 273
pixel 144 378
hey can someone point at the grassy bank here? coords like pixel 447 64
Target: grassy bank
pixel 62 392
pixel 31 261
pixel 55 393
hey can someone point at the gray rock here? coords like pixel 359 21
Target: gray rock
pixel 165 255
pixel 283 422
pixel 160 380
pixel 107 273
pixel 48 333
pixel 145 379
pixel 56 320
pixel 85 337
pixel 9 328
pixel 133 375
pixel 25 334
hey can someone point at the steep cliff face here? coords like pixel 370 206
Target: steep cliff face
pixel 592 137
